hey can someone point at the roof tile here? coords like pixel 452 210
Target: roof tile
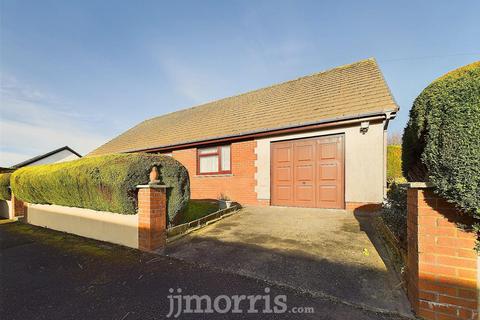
pixel 350 90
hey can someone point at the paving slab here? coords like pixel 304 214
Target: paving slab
pixel 329 253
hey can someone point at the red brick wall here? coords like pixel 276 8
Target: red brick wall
pixel 152 218
pixel 442 265
pixel 19 207
pixel 239 186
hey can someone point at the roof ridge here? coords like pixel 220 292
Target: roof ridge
pixel 44 155
pixel 370 59
pixel 350 91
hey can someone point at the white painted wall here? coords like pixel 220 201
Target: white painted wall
pixel 364 162
pixel 62 156
pixel 100 225
pixel 6 210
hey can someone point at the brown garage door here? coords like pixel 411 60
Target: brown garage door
pixel 308 172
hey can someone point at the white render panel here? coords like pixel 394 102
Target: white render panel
pixel 6 210
pixel 364 162
pixel 100 225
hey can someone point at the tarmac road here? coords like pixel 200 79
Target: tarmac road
pixel 52 275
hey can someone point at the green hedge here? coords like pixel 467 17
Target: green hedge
pixel 106 183
pixel 394 164
pixel 4 186
pixel 441 140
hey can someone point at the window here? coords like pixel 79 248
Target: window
pixel 214 160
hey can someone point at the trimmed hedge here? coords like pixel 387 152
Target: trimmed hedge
pixel 394 164
pixel 441 140
pixel 106 183
pixel 4 186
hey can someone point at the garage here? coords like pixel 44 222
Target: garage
pixel 317 141
pixel 308 172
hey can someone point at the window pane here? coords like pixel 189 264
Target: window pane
pixel 208 164
pixel 207 150
pixel 225 158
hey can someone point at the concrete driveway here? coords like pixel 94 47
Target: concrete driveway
pixel 328 253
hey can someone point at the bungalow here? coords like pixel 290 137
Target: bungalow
pixel 317 141
pixel 58 155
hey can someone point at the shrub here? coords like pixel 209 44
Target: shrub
pixel 5 186
pixel 106 183
pixel 394 164
pixel 441 140
pixel 394 212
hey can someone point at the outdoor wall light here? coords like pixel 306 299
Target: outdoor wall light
pixel 364 126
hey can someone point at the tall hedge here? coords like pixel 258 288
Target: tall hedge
pixel 106 183
pixel 5 186
pixel 394 164
pixel 441 142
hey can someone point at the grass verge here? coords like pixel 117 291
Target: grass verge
pixel 197 209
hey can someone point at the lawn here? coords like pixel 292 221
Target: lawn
pixel 197 209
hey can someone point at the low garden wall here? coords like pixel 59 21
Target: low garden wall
pixel 125 199
pixel 145 230
pixel 6 209
pixel 5 197
pixel 443 274
pixel 98 225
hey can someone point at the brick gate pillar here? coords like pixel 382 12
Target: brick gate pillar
pixel 441 263
pixel 19 208
pixel 152 217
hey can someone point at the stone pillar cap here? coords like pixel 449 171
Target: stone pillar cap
pixel 153 186
pixel 420 185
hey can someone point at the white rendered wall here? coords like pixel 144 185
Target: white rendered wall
pixel 6 209
pixel 105 226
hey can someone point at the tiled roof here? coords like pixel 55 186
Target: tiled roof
pixel 348 91
pixel 43 156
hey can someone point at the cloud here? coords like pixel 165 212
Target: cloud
pixel 10 158
pixel 202 82
pixel 270 46
pixel 287 53
pixel 194 83
pixel 33 123
pixel 10 88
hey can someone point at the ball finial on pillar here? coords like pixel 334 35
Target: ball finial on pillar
pixel 154 176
